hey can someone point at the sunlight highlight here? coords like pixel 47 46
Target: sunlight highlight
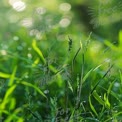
pixel 18 5
pixel 29 55
pixel 27 22
pixel 3 52
pixel 65 22
pixel 41 10
pixel 65 7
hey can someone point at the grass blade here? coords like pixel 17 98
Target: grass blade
pixel 120 38
pixel 101 78
pixel 4 75
pixel 70 86
pixel 6 97
pixel 12 76
pixel 87 75
pixel 97 97
pixel 91 106
pixel 33 86
pixel 38 51
pixel 107 103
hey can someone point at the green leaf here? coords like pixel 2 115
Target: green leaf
pixel 87 75
pixel 114 116
pixel 7 95
pixel 52 68
pixel 33 86
pixel 97 67
pixel 110 87
pixel 38 51
pixel 107 103
pixel 120 38
pixel 12 76
pixel 92 107
pixel 35 62
pixel 70 86
pixel 4 75
pixel 13 116
pixel 7 76
pixel 72 115
pixel 9 91
pixel 120 77
pixel 20 120
pixel 97 97
pixel 89 72
pixel 12 103
pixel 109 44
pixel 59 78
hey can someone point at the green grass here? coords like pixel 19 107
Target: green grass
pixel 57 70
pixel 59 82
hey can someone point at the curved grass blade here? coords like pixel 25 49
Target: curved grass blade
pixel 109 44
pixel 107 103
pixel 120 38
pixel 7 95
pixel 70 86
pixel 101 78
pixel 97 97
pixel 7 76
pixel 92 107
pixel 35 62
pixel 114 115
pixel 33 86
pixel 12 76
pixel 86 76
pixel 4 75
pixel 14 116
pixel 38 51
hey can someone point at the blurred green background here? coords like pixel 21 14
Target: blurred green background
pixel 51 49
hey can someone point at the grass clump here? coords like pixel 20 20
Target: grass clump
pixel 58 85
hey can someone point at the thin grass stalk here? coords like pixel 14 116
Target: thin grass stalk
pixel 73 61
pixel 101 79
pixel 81 80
